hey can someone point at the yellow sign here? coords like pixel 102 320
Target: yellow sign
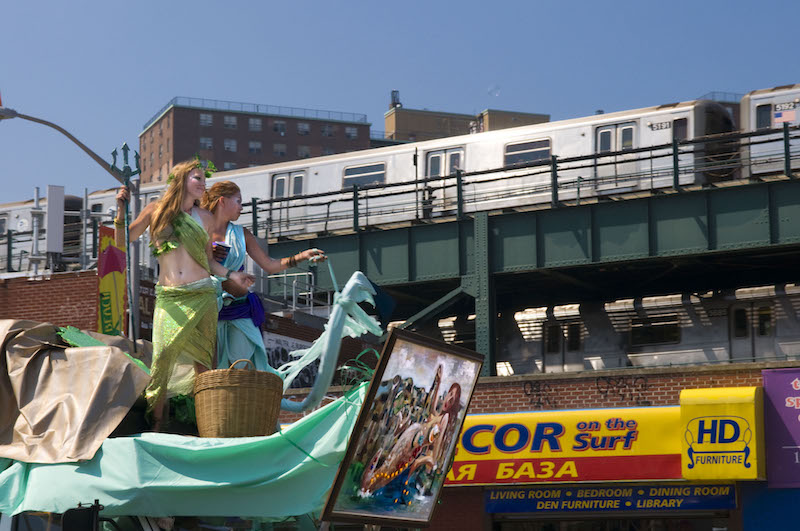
pixel 568 446
pixel 723 433
pixel 110 285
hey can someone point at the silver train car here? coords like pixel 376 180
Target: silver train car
pixel 769 109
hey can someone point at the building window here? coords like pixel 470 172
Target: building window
pixel 206 142
pixel 230 144
pixel 254 146
pixel 573 337
pixel 351 132
pixel 328 130
pixel 364 175
pixel 228 165
pixel 151 158
pixel 279 126
pixel 159 127
pixel 206 119
pixel 525 152
pixel 328 151
pixel 764 116
pixel 279 150
pixel 303 128
pixel 765 321
pixel 160 150
pixel 654 332
pixel 741 325
pixel 303 152
pixel 254 124
pixel 552 339
pixel 229 122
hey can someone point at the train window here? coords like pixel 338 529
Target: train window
pixel 527 152
pixel 647 332
pixel 765 321
pixel 764 116
pixel 3 225
pixel 455 163
pixel 279 186
pixel 604 142
pixel 741 326
pixel 573 337
pixel 680 129
pixel 552 339
pixel 364 175
pixel 626 138
pixel 297 184
pixel 434 164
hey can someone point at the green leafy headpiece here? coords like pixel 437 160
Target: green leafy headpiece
pixel 206 164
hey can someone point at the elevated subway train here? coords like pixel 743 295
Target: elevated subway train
pixel 599 155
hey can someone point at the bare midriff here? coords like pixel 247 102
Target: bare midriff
pixel 177 267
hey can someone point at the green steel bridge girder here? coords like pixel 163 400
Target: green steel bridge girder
pixel 470 252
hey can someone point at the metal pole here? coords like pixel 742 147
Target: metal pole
pixel 254 202
pixel 553 182
pixel 787 158
pixel 459 195
pixel 94 237
pixel 36 221
pixel 85 229
pixel 10 244
pixel 355 207
pixel 675 181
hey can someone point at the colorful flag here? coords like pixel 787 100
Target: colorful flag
pixel 111 285
pixel 785 116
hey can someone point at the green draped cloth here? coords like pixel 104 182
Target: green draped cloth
pixel 157 474
pixel 185 318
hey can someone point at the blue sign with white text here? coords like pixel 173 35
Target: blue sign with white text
pixel 605 499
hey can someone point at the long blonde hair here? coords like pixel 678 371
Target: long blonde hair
pixel 169 206
pixel 221 189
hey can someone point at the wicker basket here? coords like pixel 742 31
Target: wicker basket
pixel 237 403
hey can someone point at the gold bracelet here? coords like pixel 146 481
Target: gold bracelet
pixel 293 261
pixel 119 222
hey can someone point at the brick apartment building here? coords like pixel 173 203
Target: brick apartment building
pixel 238 135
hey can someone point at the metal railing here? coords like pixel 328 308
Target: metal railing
pixel 554 181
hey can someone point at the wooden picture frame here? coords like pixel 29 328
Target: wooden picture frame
pixel 406 433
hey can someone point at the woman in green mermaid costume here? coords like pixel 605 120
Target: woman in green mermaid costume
pixel 185 318
pixel 238 329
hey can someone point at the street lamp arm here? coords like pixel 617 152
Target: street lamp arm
pixel 106 166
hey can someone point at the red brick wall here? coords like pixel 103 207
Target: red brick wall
pixel 61 299
pixel 460 509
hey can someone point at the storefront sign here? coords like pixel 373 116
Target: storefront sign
pixel 568 446
pixel 782 426
pixel 722 433
pixel 649 498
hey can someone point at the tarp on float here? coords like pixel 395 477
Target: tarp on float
pixel 154 474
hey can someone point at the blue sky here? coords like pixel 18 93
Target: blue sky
pixel 102 69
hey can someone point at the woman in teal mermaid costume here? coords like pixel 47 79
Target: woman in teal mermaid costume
pixel 185 318
pixel 238 328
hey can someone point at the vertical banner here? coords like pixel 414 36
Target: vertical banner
pixel 110 285
pixel 782 426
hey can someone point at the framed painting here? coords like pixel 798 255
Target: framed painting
pixel 406 433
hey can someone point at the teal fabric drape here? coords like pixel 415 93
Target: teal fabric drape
pixel 152 474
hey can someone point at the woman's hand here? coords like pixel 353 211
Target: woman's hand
pixel 242 279
pixel 313 255
pixel 123 196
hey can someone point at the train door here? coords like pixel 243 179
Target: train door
pixel 443 163
pixel 287 214
pixel 752 331
pixel 620 169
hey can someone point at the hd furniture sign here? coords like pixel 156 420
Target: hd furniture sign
pixel 723 433
pixel 569 446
